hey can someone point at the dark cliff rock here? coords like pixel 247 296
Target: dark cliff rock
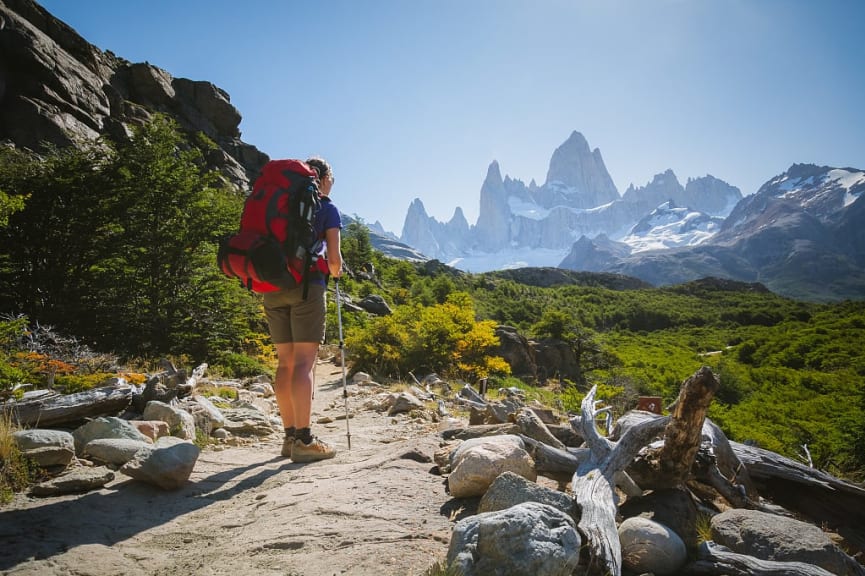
pixel 56 88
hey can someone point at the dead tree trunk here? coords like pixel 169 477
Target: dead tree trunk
pixel 682 435
pixel 593 484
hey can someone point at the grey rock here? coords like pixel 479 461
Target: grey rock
pixel 649 546
pixel 180 422
pixel 510 489
pixel 247 421
pixel 167 464
pixel 105 427
pixel 46 447
pixel 116 451
pixel 528 538
pixel 403 402
pixel 77 480
pixel 375 304
pixel 673 508
pixel 206 416
pixel 770 537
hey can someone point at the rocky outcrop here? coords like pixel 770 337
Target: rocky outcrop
pixel 56 88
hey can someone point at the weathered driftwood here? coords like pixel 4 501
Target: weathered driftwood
pixel 560 464
pixel 532 426
pixel 715 448
pixel 716 465
pixel 716 560
pixel 71 408
pixel 594 480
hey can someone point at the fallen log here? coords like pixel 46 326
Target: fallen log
pixel 71 408
pixel 821 497
pixel 479 430
pixel 716 560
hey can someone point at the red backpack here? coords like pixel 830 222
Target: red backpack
pixel 276 247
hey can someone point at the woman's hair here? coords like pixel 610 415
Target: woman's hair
pixel 321 166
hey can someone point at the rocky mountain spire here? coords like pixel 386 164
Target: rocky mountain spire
pixel 418 229
pixel 492 229
pixel 577 168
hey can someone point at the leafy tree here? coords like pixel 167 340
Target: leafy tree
pixel 117 245
pixel 553 324
pixel 356 246
pixel 8 206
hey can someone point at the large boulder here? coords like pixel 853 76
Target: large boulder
pixel 476 463
pixel 167 464
pixel 516 351
pixel 771 537
pixel 528 538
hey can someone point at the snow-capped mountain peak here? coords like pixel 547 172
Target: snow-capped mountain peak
pixel 670 226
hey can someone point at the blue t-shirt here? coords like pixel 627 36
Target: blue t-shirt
pixel 326 218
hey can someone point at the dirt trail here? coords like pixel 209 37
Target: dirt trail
pixel 375 509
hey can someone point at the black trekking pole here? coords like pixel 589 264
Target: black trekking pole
pixel 342 361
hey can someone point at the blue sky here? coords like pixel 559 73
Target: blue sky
pixel 415 98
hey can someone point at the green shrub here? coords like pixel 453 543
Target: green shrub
pixel 236 365
pixel 72 383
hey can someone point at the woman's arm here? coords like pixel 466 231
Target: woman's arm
pixel 334 253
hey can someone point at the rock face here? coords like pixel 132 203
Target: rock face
pixel 56 88
pixel 577 177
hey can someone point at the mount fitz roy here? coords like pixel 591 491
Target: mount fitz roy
pixel 801 235
pixel 578 199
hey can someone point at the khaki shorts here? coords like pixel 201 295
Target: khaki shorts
pixel 290 318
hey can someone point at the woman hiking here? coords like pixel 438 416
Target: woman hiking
pixel 297 328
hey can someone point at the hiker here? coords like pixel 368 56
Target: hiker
pixel 297 329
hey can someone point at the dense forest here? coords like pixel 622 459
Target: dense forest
pixel 113 245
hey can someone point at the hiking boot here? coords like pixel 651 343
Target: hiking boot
pixel 287 445
pixel 318 449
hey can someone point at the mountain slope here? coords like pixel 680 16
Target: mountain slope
pixel 800 235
